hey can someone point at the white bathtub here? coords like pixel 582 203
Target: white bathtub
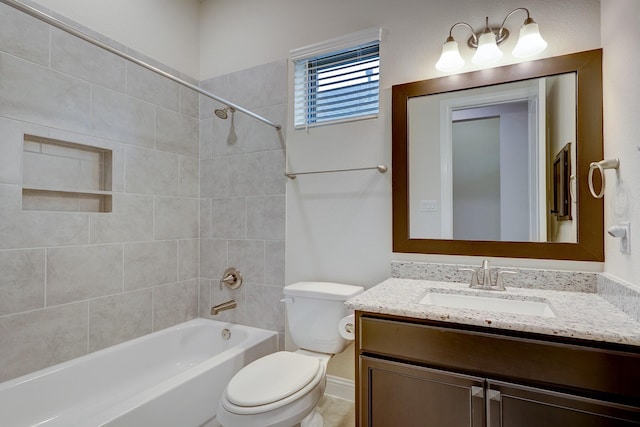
pixel 171 378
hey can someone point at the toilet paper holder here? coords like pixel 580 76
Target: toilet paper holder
pixel 349 327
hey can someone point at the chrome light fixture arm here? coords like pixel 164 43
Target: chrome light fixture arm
pixel 527 21
pixel 473 33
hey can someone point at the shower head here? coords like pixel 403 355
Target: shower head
pixel 222 113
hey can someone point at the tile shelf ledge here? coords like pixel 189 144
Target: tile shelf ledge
pixel 67 190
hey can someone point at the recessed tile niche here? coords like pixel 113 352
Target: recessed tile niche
pixel 64 176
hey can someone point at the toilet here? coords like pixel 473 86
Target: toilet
pixel 283 388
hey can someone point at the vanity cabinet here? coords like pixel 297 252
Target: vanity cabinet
pixel 424 373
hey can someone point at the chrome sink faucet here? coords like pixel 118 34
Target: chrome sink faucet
pixel 482 277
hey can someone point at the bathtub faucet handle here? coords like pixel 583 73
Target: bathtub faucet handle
pixel 232 278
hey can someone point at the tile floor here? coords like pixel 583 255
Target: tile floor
pixel 336 413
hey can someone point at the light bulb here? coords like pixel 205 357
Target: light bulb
pixel 450 59
pixel 488 50
pixel 530 42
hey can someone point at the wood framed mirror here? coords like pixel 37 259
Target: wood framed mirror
pixel 430 110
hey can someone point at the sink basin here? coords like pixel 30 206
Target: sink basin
pixel 500 305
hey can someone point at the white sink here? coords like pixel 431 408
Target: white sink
pixel 500 305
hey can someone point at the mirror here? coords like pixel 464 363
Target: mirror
pixel 494 162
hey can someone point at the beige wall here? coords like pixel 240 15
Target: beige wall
pixel 165 30
pixel 621 67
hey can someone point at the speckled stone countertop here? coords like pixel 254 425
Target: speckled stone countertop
pixel 578 314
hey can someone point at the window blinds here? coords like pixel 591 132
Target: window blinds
pixel 337 80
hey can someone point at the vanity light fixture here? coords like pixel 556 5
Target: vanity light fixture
pixel 486 43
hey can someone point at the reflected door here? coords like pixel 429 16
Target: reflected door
pixel 476 179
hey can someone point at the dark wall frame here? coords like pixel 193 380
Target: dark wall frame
pixel 589 147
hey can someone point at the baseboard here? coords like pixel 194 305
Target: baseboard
pixel 341 388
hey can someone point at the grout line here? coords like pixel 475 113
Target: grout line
pixel 46 278
pixel 88 326
pixel 123 268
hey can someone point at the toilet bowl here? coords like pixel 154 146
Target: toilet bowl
pixel 283 388
pixel 278 390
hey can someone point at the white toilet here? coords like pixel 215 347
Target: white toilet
pixel 283 388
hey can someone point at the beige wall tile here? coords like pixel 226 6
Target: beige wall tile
pixel 248 257
pixel 205 218
pixel 150 264
pixel 229 218
pixel 11 139
pixel 173 304
pixel 266 218
pixel 176 218
pixel 122 118
pixel 213 258
pixel 177 133
pixel 37 339
pixel 131 220
pixel 118 318
pixel 274 258
pixel 213 178
pixel 21 280
pixel 34 94
pixel 189 177
pixel 37 229
pixel 189 103
pixel 23 36
pixel 151 172
pixel 275 181
pixel 83 272
pixel 76 57
pixel 246 175
pixel 264 309
pixel 151 87
pixel 188 259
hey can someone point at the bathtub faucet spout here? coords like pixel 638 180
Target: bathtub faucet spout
pixel 222 307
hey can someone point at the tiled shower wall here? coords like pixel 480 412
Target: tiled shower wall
pixel 73 283
pixel 242 189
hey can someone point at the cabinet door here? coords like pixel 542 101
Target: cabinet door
pixel 397 394
pixel 510 405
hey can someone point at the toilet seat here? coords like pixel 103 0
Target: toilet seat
pixel 272 382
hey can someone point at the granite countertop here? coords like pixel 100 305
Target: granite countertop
pixel 578 314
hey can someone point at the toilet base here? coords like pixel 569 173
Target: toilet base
pixel 314 419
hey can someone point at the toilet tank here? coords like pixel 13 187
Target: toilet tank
pixel 314 310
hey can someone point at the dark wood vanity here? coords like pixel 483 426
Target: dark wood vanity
pixel 416 372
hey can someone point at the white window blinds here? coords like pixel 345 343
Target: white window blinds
pixel 337 80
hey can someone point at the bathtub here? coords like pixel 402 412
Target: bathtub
pixel 170 378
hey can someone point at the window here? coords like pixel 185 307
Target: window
pixel 334 82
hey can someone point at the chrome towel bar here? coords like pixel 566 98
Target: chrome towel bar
pixel 293 175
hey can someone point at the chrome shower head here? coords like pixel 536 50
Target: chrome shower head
pixel 223 113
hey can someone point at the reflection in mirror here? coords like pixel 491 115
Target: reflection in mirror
pixel 481 161
pixel 495 162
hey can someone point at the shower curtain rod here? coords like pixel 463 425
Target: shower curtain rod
pixel 69 29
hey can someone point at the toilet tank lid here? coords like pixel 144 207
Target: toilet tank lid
pixel 323 290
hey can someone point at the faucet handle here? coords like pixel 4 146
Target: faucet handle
pixel 474 277
pixel 500 281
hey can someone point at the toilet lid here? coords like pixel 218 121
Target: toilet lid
pixel 272 378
